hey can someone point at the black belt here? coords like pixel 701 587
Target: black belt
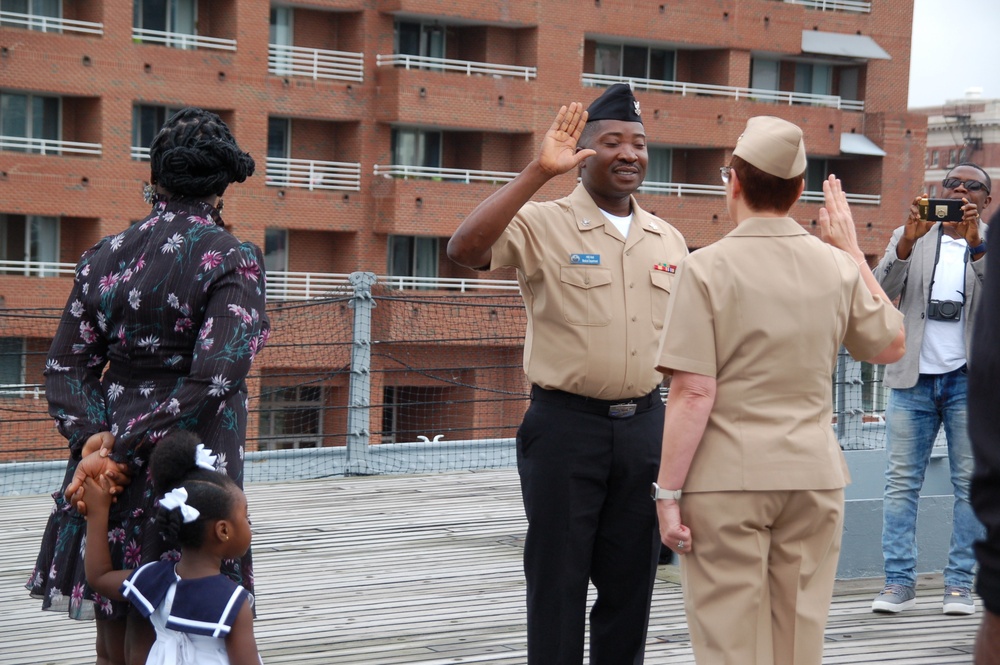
pixel 623 408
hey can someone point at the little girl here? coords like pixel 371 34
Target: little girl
pixel 201 616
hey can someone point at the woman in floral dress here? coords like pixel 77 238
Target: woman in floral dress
pixel 158 333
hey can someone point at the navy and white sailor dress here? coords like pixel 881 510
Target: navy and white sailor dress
pixel 192 617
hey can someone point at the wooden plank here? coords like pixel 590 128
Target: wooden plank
pixel 425 570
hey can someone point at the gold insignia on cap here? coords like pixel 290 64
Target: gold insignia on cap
pixel 636 104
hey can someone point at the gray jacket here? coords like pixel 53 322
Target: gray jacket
pixel 910 281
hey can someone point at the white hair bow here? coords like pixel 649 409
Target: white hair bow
pixel 204 458
pixel 177 498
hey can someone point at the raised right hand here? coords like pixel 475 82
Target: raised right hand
pixel 559 152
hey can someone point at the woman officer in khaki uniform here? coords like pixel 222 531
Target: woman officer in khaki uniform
pixel 751 337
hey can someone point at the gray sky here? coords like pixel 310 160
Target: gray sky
pixel 962 36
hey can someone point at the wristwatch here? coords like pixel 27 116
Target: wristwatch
pixel 978 249
pixel 658 493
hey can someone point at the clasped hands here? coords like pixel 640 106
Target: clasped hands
pixel 96 462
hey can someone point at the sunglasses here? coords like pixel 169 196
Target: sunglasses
pixel 971 185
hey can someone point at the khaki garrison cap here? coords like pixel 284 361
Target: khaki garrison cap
pixel 773 145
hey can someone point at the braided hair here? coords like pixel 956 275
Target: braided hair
pixel 172 465
pixel 194 155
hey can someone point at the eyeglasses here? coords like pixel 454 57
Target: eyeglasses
pixel 724 172
pixel 971 185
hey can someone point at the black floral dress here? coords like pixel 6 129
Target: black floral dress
pixel 159 332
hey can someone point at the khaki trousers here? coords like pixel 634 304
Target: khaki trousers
pixel 759 580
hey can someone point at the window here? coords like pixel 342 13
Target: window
pixel 420 39
pixel 279 136
pixel 816 172
pixel 849 83
pixel 660 165
pixel 416 147
pixel 281 35
pixel 813 79
pixel 764 74
pixel 172 16
pixel 146 124
pixel 408 412
pixel 413 256
pixel 639 62
pixel 11 366
pixel 291 417
pixel 933 191
pixel 32 241
pixel 952 157
pixel 31 117
pixel 275 250
pixel 934 159
pixel 34 8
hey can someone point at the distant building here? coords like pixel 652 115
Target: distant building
pixel 962 130
pixel 378 125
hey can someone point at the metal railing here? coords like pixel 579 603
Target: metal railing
pixel 286 285
pixel 140 154
pixel 832 5
pixel 49 23
pixel 682 189
pixel 442 174
pixel 315 63
pixel 182 40
pixel 311 174
pixel 48 146
pixel 37 268
pixel 750 94
pixel 33 390
pixel 445 64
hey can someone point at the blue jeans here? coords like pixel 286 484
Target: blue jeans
pixel 913 417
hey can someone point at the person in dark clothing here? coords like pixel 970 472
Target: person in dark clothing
pixel 984 430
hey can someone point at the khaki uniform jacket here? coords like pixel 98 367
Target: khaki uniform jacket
pixel 910 280
pixel 765 311
pixel 595 301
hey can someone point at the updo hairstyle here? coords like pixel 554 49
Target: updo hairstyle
pixel 194 155
pixel 172 465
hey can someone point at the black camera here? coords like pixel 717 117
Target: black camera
pixel 944 310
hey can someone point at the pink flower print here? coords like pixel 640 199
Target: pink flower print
pixel 85 270
pixel 116 535
pixel 206 328
pixel 254 346
pixel 183 324
pixel 141 263
pixel 107 282
pixel 76 309
pixel 149 223
pixel 133 554
pixel 87 332
pixel 95 361
pixel 240 312
pixel 249 269
pixel 121 333
pixel 102 603
pixel 77 594
pixel 52 572
pixel 210 260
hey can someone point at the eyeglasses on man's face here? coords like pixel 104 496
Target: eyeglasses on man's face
pixel 724 172
pixel 970 185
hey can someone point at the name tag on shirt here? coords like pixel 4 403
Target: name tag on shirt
pixel 585 259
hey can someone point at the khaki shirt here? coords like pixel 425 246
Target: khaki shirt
pixel 595 301
pixel 765 311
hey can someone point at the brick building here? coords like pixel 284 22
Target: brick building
pixel 962 130
pixel 378 124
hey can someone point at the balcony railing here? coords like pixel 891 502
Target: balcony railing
pixel 466 66
pixel 444 175
pixel 311 174
pixel 315 63
pixel 284 285
pixel 49 23
pixel 47 146
pixel 682 189
pixel 751 94
pixel 182 40
pixel 140 153
pixel 37 268
pixel 33 390
pixel 832 5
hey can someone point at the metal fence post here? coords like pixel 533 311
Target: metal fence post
pixel 359 392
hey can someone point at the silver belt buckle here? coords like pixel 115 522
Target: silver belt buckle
pixel 621 410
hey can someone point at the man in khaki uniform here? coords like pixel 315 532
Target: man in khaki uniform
pixel 751 337
pixel 595 272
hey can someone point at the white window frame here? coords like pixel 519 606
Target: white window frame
pixel 269 440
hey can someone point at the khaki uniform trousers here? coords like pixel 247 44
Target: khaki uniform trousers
pixel 759 581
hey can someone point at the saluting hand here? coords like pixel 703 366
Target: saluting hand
pixel 836 224
pixel 559 152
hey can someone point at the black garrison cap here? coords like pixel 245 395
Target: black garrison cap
pixel 617 103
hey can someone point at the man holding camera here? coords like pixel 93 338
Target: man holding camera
pixel 936 269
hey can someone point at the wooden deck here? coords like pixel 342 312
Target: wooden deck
pixel 424 569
